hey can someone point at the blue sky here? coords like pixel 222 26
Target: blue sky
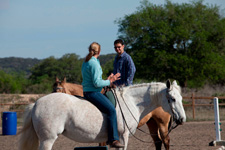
pixel 44 28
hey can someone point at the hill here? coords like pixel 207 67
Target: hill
pixel 16 64
pixel 105 58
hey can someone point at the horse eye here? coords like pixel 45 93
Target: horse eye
pixel 173 99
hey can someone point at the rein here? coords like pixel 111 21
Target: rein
pixel 115 95
pixel 171 124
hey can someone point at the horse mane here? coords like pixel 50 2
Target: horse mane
pixel 159 84
pixel 147 84
pixel 151 84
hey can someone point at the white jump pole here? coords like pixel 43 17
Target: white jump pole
pixel 217 118
pixel 218 141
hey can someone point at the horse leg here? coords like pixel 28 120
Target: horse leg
pixel 47 134
pixel 163 129
pixel 124 140
pixel 47 144
pixel 153 129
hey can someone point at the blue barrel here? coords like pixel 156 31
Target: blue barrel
pixel 9 123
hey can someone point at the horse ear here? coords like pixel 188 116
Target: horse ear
pixel 64 79
pixel 168 84
pixel 56 79
pixel 174 83
pixel 177 86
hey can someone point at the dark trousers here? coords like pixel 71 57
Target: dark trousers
pixel 105 106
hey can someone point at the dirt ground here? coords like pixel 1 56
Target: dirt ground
pixel 190 136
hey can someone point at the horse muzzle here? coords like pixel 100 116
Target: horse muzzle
pixel 180 121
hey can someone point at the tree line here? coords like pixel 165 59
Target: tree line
pixel 185 42
pixel 42 75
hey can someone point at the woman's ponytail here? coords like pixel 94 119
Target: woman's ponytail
pixel 94 49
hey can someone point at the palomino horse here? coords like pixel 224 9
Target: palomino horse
pixel 158 120
pixel 69 88
pixel 81 121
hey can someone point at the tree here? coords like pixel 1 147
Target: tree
pixel 43 74
pixel 70 65
pixel 12 83
pixel 107 64
pixel 179 41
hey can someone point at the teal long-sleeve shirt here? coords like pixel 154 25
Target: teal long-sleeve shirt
pixel 92 76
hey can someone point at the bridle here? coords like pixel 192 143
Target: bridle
pixel 59 88
pixel 172 110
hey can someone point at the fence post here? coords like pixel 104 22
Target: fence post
pixel 217 124
pixel 217 119
pixel 193 105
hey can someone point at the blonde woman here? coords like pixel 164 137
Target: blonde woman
pixel 92 86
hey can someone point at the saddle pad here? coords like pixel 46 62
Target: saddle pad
pixel 111 97
pixel 108 94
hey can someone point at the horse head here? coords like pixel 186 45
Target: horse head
pixel 58 86
pixel 174 98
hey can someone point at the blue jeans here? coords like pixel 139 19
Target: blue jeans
pixel 105 106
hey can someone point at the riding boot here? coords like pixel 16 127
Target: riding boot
pixel 116 144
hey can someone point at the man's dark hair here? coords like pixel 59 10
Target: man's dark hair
pixel 118 41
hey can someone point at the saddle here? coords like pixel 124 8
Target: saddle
pixel 80 97
pixel 108 93
pixel 111 97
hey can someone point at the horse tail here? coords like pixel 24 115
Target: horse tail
pixel 28 139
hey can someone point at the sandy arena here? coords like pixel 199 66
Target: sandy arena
pixel 190 136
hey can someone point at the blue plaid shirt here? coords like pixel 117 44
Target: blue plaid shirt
pixel 124 65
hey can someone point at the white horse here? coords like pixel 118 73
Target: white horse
pixel 81 121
